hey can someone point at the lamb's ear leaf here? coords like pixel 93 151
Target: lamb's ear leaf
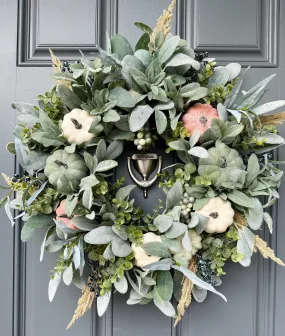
pixel 197 281
pixel 121 46
pixel 34 222
pixel 103 303
pixel 69 98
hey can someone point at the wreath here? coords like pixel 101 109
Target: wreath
pixel 68 144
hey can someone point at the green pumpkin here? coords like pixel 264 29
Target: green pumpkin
pixel 65 171
pixel 222 165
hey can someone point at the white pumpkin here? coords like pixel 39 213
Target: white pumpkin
pixel 75 126
pixel 196 244
pixel 220 213
pixel 141 258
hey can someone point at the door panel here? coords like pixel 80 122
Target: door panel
pixel 246 31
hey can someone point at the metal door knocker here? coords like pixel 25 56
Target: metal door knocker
pixel 145 164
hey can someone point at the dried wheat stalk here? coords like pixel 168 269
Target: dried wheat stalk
pixel 239 219
pixel 7 179
pixel 84 304
pixel 186 292
pixel 272 119
pixel 261 246
pixel 163 23
pixel 57 65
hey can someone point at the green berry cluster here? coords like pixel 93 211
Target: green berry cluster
pixel 219 248
pixel 186 205
pixel 207 71
pixel 143 139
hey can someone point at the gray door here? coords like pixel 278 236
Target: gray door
pixel 248 31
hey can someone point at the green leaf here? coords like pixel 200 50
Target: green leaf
pixel 194 138
pixel 240 198
pixel 139 117
pixel 143 42
pixel 106 165
pixel 182 59
pixel 53 285
pixel 101 150
pixel 168 48
pixel 69 98
pixel 88 182
pixel 198 151
pixel 252 169
pixel 103 303
pixel 118 134
pixel 164 285
pixel 11 148
pixel 218 127
pixel 270 138
pixel 84 223
pixel 108 254
pixel 231 133
pixel 165 306
pixel 34 222
pixel 161 265
pixel 87 198
pixel 164 106
pixel 121 46
pixel 220 77
pixel 100 235
pixel 63 76
pixel 163 222
pixel 90 162
pixel 177 145
pixel 48 139
pixel 222 112
pixel 47 124
pixel 122 97
pixel 156 249
pixel 197 281
pixel 121 285
pixel 174 195
pixel 111 116
pixel 142 26
pixel 268 107
pixel 245 245
pixel 268 220
pixel 121 248
pixel 161 121
pixel 254 216
pixel 115 149
pixel 176 230
pixel 124 192
pixel 28 113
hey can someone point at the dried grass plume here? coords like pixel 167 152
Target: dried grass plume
pixel 7 179
pixel 163 23
pixel 186 292
pixel 57 65
pixel 272 119
pixel 84 304
pixel 239 219
pixel 261 246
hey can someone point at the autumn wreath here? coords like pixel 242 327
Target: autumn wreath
pixel 68 144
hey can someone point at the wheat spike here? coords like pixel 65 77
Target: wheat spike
pixel 56 64
pixel 7 179
pixel 261 246
pixel 163 23
pixel 84 304
pixel 272 119
pixel 186 292
pixel 239 219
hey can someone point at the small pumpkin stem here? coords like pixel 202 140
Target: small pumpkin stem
pixel 61 164
pixel 76 123
pixel 214 215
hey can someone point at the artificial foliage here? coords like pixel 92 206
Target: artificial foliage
pixel 216 194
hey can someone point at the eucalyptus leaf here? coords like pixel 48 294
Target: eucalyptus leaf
pixel 199 152
pixel 164 285
pixel 120 248
pixel 34 222
pixel 121 285
pixel 174 195
pixel 69 98
pixel 163 222
pixel 100 235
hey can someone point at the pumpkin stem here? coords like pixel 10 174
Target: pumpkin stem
pixel 61 164
pixel 76 123
pixel 214 215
